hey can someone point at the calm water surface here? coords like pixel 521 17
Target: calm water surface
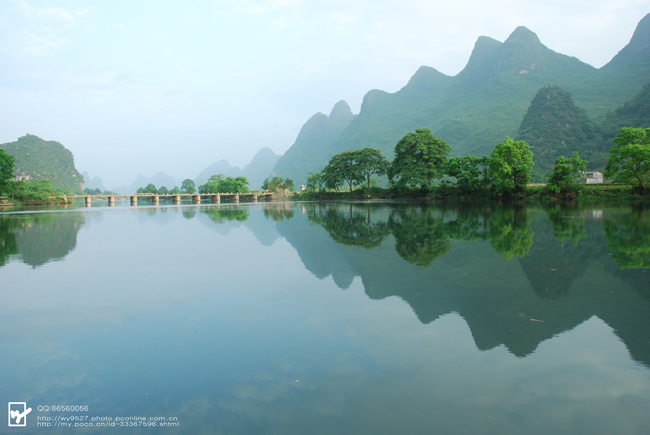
pixel 321 319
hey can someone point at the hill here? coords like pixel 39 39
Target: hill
pixel 92 182
pixel 314 145
pixel 260 167
pixel 635 113
pixel 553 126
pixel 477 108
pixel 38 159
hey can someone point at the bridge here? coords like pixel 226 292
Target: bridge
pixel 215 198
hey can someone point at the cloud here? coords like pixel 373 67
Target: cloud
pixel 49 13
pixel 38 45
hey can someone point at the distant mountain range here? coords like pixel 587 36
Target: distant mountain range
pixel 474 110
pixel 255 172
pixel 517 88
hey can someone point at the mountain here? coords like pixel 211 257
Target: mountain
pixel 558 282
pixel 313 147
pixel 553 126
pixel 92 182
pixel 634 113
pixel 220 167
pixel 159 180
pixel 38 159
pixel 633 61
pixel 474 110
pixel 260 167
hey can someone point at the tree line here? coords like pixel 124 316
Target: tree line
pixel 219 183
pixel 421 160
pixel 27 191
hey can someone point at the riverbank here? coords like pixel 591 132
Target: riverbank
pixel 58 200
pixel 442 193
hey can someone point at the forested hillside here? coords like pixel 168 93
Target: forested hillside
pixel 486 101
pixel 38 159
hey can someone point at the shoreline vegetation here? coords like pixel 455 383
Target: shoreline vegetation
pixel 421 169
pixel 534 193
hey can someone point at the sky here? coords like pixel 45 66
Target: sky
pixel 137 87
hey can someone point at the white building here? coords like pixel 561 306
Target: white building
pixel 594 178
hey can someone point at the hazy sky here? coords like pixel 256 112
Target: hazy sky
pixel 136 87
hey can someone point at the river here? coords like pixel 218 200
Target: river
pixel 347 318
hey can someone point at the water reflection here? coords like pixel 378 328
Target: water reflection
pixel 219 215
pixel 38 238
pixel 569 259
pixel 490 321
pixel 350 225
pixel 420 235
pixel 563 274
pixel 628 237
pixel 568 222
pixel 279 212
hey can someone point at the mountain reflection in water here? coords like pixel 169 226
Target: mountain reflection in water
pixel 517 275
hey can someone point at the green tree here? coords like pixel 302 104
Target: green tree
pixel 212 185
pixel 629 157
pixel 511 163
pixel 163 190
pixel 565 178
pixel 176 190
pixel 218 184
pixel 343 168
pixel 151 188
pixel 188 186
pixel 315 181
pixel 420 158
pixel 471 172
pixel 6 169
pixel 234 185
pixel 288 184
pixel 371 162
pixel 277 183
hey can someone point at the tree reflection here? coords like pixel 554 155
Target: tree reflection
pixel 219 215
pixel 471 223
pixel 628 237
pixel 8 244
pixel 420 236
pixel 567 224
pixel 279 212
pixel 510 232
pixel 189 213
pixel 424 233
pixel 350 225
pixel 556 286
pixel 39 238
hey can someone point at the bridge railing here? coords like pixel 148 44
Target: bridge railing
pixel 215 198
